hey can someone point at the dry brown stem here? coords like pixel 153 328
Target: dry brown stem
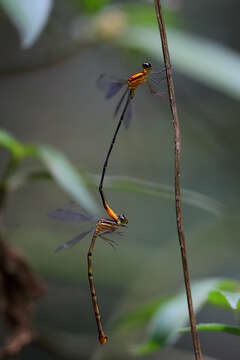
pixel 177 142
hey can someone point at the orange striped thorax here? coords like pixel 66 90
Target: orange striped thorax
pixel 105 225
pixel 110 225
pixel 137 79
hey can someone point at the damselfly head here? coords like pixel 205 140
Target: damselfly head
pixel 123 220
pixel 147 66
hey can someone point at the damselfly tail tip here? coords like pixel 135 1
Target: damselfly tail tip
pixel 103 339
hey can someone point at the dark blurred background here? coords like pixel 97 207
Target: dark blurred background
pixel 49 95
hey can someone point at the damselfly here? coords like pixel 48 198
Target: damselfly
pixel 102 228
pixel 112 86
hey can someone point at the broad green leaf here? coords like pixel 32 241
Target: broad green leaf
pixel 216 298
pixel 134 185
pixel 225 295
pixel 143 14
pixel 59 168
pixel 229 285
pixel 162 191
pixel 10 143
pixel 232 299
pixel 67 176
pixel 235 330
pixel 28 16
pixel 148 347
pixel 165 325
pixel 139 316
pixel 144 313
pixel 201 59
pixel 90 6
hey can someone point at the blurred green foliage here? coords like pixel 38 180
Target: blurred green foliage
pixel 199 58
pixel 59 169
pixel 29 17
pixel 144 14
pixel 63 172
pixel 166 316
pixel 234 330
pixel 90 6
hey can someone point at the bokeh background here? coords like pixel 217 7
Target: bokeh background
pixel 49 96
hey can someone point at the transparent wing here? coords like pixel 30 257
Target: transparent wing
pixel 120 102
pixel 152 89
pixel 69 215
pixel 127 110
pixel 74 241
pixel 110 85
pixel 156 82
pixel 110 231
pixel 111 242
pixel 160 71
pixel 71 212
pixel 128 115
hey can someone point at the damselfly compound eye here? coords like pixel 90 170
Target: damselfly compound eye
pixel 147 65
pixel 123 219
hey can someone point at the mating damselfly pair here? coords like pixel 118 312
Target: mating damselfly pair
pixel 104 226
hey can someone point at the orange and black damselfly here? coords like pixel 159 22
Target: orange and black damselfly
pixel 112 86
pixel 102 228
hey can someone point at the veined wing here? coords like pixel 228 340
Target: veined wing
pixel 111 242
pixel 120 102
pixel 74 241
pixel 128 115
pixel 127 109
pixel 110 85
pixel 70 212
pixel 69 215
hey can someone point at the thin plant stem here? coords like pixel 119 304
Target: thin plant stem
pixel 177 141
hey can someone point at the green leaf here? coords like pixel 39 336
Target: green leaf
pixel 226 295
pixel 67 177
pixel 229 285
pixel 216 298
pixel 143 14
pixel 235 330
pixel 148 347
pixel 188 55
pixel 171 313
pixel 232 299
pixel 132 185
pixel 10 143
pixel 90 6
pixel 139 316
pixel 162 191
pixel 227 299
pixel 28 16
pixel 59 168
pixel 165 325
